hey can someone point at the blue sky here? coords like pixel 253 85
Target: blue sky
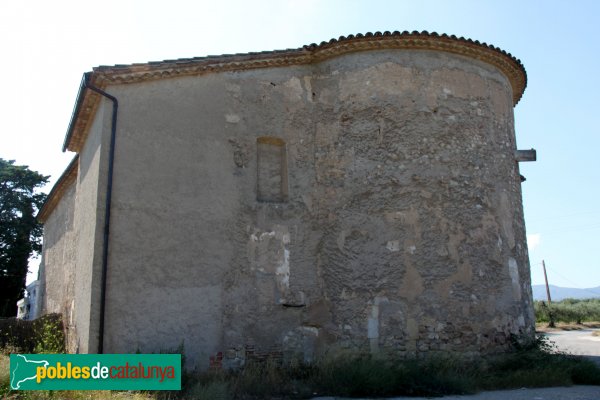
pixel 46 46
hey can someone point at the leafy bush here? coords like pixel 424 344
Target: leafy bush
pixel 43 335
pixel 16 333
pixel 50 336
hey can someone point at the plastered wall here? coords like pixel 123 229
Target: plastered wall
pixel 400 228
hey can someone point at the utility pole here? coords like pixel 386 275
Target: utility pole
pixel 547 287
pixel 551 324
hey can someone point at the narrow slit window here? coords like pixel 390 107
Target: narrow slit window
pixel 272 182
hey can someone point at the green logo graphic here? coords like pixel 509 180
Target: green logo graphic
pixel 95 371
pixel 23 369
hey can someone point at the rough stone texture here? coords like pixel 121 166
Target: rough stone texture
pixel 402 229
pixel 57 271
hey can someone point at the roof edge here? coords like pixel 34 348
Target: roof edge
pixel 76 110
pixel 58 190
pixel 87 101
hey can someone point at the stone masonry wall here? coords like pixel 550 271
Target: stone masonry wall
pixel 398 226
pixel 57 271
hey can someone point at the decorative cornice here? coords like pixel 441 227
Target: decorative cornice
pixel 60 187
pixel 103 76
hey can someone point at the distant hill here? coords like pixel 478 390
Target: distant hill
pixel 558 293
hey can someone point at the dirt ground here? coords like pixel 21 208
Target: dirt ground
pixel 561 326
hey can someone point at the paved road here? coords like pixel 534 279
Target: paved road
pixel 579 342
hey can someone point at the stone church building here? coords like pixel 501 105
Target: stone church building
pixel 363 192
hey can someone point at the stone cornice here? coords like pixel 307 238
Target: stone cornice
pixel 67 178
pixel 103 76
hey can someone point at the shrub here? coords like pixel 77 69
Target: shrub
pixel 44 334
pixel 568 310
pixel 17 334
pixel 50 337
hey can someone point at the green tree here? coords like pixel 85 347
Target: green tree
pixel 20 232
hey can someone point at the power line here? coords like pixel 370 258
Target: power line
pixel 570 229
pixel 573 282
pixel 555 217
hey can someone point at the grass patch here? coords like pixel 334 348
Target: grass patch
pixel 356 375
pixel 353 374
pixel 216 390
pixel 363 375
pixel 4 375
pixel 534 368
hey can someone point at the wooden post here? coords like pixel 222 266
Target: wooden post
pixel 547 287
pixel 551 324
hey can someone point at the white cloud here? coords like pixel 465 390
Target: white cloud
pixel 533 241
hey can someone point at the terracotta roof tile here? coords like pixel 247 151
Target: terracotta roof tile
pixel 103 76
pixel 62 184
